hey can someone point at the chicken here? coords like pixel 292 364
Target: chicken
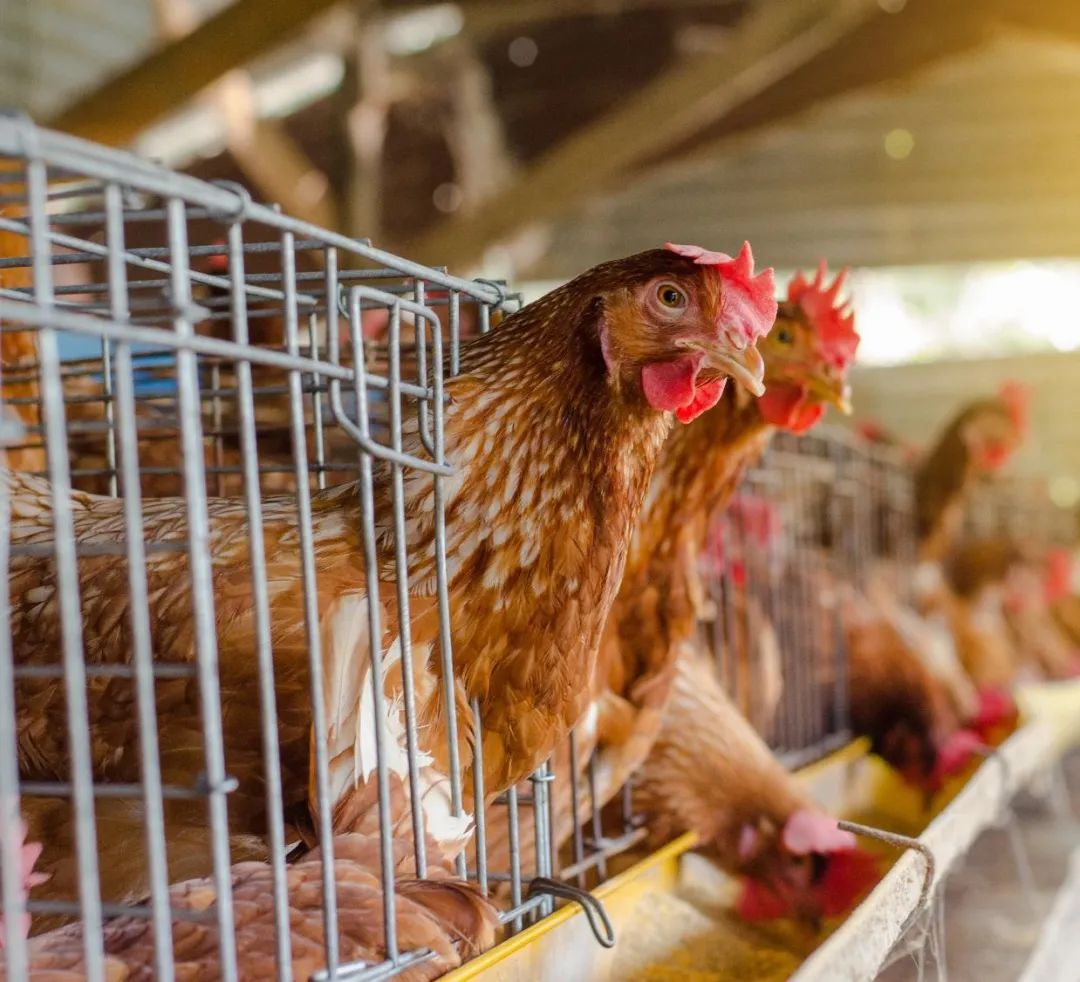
pixel 661 597
pixel 897 703
pixel 710 773
pixel 978 441
pixel 554 425
pixel 976 444
pixel 448 917
pixel 929 636
pixel 1001 614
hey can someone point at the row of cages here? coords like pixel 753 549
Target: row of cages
pixel 194 358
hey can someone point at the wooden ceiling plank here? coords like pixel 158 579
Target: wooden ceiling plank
pixel 116 112
pixel 768 46
pixel 1058 18
pixel 886 48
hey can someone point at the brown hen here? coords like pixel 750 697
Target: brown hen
pixel 554 425
pixel 711 773
pixel 660 601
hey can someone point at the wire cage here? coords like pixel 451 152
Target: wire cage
pixel 771 568
pixel 816 514
pixel 181 360
pixel 1021 509
pixel 185 348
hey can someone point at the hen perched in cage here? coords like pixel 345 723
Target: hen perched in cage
pixel 663 596
pixel 425 623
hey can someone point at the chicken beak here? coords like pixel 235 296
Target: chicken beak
pixel 832 392
pixel 746 367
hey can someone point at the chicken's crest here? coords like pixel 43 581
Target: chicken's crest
pixel 1017 399
pixel 808 830
pixel 749 298
pixel 833 321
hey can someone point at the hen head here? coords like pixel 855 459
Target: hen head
pixel 993 432
pixel 676 323
pixel 926 763
pixel 809 869
pixel 808 354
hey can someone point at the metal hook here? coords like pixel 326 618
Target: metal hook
pixel 498 286
pixel 244 201
pixel 901 842
pixel 592 906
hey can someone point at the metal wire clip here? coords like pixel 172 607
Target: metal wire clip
pixel 593 907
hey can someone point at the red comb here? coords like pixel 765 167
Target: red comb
pixel 808 830
pixel 833 320
pixel 1059 574
pixel 749 299
pixel 996 710
pixel 955 753
pixel 1016 399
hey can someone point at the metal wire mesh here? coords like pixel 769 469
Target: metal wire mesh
pixel 193 344
pixel 218 343
pixel 1022 510
pixel 814 514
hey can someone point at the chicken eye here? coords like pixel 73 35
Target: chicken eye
pixel 671 296
pixel 784 336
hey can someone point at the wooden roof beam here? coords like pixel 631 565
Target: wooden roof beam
pixel 882 49
pixel 774 41
pixel 116 112
pixel 1059 18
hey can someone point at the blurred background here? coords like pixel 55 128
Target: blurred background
pixel 930 145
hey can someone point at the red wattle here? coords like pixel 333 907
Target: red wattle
pixel 779 403
pixel 670 385
pixel 758 903
pixel 786 405
pixel 850 875
pixel 706 395
pixel 806 418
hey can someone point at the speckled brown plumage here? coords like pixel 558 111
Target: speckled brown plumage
pixel 709 772
pixel 950 469
pixel 446 916
pixel 893 697
pixel 554 445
